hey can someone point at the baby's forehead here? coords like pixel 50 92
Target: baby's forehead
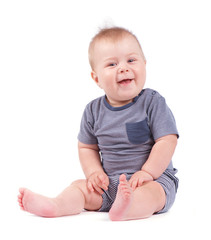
pixel 114 39
pixel 103 43
pixel 121 44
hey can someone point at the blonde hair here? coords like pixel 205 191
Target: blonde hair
pixel 114 34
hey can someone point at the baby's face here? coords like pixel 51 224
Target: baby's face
pixel 119 69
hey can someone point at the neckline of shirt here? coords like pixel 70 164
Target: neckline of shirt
pixel 122 107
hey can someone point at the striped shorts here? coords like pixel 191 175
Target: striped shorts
pixel 167 180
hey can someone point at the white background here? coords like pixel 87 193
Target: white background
pixel 45 84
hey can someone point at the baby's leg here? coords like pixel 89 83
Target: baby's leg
pixel 71 201
pixel 141 203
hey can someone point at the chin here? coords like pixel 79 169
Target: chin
pixel 130 96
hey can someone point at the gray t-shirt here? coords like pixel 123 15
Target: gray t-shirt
pixel 125 135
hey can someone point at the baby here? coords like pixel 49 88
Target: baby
pixel 126 141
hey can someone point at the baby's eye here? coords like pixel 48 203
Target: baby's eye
pixel 131 60
pixel 112 64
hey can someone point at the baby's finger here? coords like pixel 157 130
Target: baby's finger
pixel 134 184
pixel 105 187
pixel 98 189
pixel 140 182
pixel 102 182
pixel 90 187
pixel 131 180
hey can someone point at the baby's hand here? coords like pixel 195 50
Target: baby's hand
pixel 139 178
pixel 98 181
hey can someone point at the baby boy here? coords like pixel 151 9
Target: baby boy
pixel 126 141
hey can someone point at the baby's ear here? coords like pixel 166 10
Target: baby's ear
pixel 95 78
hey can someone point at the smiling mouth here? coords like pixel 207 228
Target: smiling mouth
pixel 125 81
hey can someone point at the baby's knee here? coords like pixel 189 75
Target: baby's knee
pixel 93 200
pixel 81 183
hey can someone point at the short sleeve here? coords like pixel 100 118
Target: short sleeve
pixel 86 133
pixel 161 119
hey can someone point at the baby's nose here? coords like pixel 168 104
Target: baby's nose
pixel 123 69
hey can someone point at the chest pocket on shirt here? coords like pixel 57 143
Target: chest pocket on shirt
pixel 138 132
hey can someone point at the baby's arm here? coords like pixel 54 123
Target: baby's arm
pixel 160 156
pixel 157 162
pixel 91 164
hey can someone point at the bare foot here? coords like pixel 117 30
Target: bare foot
pixel 37 204
pixel 123 200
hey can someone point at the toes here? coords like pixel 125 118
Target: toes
pixel 122 178
pixel 22 190
pixel 126 195
pixel 20 201
pixel 125 191
pixel 20 198
pixel 21 205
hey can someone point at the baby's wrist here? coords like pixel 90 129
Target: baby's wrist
pixel 143 170
pixel 96 172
